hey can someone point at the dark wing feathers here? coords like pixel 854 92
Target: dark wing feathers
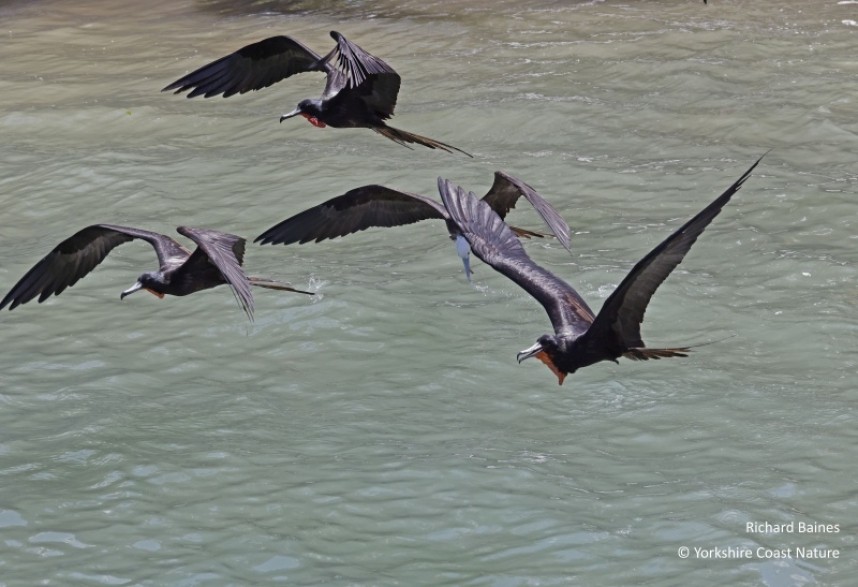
pixel 504 194
pixel 493 242
pixel 336 81
pixel 226 253
pixel 378 92
pixel 76 256
pixel 368 79
pixel 356 210
pixel 357 63
pixel 623 311
pixel 253 67
pixel 169 251
pixel 266 62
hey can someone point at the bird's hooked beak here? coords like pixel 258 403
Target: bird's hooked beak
pixel 131 290
pixel 529 352
pixel 295 112
pixel 138 286
pixel 539 352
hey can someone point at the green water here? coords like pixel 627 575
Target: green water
pixel 383 433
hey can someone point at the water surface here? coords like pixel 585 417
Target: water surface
pixel 383 433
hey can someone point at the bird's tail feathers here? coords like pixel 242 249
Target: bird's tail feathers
pixel 645 354
pixel 525 233
pixel 278 285
pixel 403 138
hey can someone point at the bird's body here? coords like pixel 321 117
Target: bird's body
pixel 361 93
pixel 375 205
pixel 217 260
pixel 581 337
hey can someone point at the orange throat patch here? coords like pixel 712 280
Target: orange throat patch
pixel 543 356
pixel 314 121
pixel 157 294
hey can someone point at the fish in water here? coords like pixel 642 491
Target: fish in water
pixel 581 338
pixel 376 205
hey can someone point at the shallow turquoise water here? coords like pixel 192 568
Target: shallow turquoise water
pixel 383 433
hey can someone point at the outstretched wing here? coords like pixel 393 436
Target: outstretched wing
pixel 623 312
pixel 355 210
pixel 504 194
pixel 367 78
pixel 253 67
pixel 226 253
pixel 79 254
pixel 493 242
pixel 357 63
pixel 378 93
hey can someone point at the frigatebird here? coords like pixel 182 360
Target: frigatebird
pixel 361 93
pixel 581 338
pixel 217 260
pixel 376 205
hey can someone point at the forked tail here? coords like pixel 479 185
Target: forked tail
pixel 524 233
pixel 402 137
pixel 278 285
pixel 645 354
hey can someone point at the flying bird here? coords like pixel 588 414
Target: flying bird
pixel 360 93
pixel 217 260
pixel 375 205
pixel 581 338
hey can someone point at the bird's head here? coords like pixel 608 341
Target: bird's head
pixel 549 349
pixel 309 109
pixel 151 281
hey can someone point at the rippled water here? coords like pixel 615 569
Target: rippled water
pixel 383 433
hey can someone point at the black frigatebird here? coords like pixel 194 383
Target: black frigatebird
pixel 360 94
pixel 216 260
pixel 375 205
pixel 580 338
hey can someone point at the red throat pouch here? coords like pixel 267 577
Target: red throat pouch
pixel 543 356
